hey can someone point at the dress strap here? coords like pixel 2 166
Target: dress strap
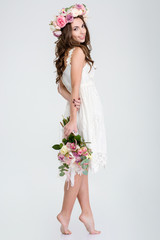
pixel 68 60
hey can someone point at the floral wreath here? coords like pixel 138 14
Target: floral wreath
pixel 66 15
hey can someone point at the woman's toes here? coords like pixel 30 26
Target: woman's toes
pixel 64 230
pixel 69 231
pixel 95 232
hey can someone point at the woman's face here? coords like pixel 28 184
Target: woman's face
pixel 78 30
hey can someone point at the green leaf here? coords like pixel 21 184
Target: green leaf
pixel 86 160
pixel 78 138
pixel 62 174
pixel 61 124
pixel 71 138
pixel 64 141
pixel 60 167
pixel 85 172
pixel 84 166
pixel 61 145
pixel 65 165
pixel 65 169
pixel 56 147
pixel 63 121
pixel 83 158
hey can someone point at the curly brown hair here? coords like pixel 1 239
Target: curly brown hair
pixel 66 42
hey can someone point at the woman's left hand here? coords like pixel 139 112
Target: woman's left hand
pixel 77 103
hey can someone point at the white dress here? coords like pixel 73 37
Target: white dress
pixel 90 118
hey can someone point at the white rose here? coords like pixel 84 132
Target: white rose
pixel 57 27
pixel 54 23
pixel 75 12
pixel 64 150
pixel 89 156
pixel 80 12
pixel 52 27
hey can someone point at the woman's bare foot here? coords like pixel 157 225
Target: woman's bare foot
pixel 64 223
pixel 88 221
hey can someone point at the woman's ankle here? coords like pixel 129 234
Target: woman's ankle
pixel 86 212
pixel 65 214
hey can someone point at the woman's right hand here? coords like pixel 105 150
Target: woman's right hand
pixel 71 126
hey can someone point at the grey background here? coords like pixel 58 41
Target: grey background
pixel 125 196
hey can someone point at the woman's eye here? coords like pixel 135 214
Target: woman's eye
pixel 76 28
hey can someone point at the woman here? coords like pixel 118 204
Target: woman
pixel 75 78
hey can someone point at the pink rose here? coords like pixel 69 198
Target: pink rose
pixel 84 149
pixel 69 18
pixel 61 21
pixel 78 6
pixel 77 157
pixel 73 146
pixel 61 157
pixel 57 33
pixel 85 154
pixel 68 144
pixel 83 9
pixel 80 151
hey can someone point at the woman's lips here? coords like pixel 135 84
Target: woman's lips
pixel 82 37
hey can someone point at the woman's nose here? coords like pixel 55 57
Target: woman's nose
pixel 82 30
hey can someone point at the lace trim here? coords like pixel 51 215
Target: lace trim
pixel 68 60
pixel 98 160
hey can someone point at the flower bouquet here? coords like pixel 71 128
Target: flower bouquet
pixel 73 154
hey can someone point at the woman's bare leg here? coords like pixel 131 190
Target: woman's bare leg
pixel 83 197
pixel 70 196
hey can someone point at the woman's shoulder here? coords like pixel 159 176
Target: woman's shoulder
pixel 77 51
pixel 77 54
pixel 74 54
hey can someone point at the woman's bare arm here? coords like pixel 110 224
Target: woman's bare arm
pixel 63 91
pixel 77 63
pixel 66 94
